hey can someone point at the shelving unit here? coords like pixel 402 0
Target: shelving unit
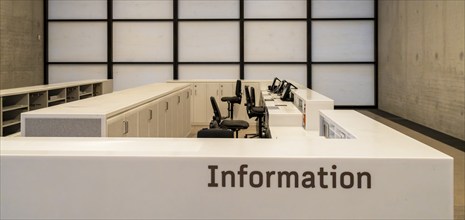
pixel 85 91
pixel 37 100
pixel 97 89
pixel 72 94
pixel 56 97
pixel 19 100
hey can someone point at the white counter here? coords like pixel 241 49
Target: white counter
pixel 29 89
pixel 281 113
pixel 111 104
pixel 93 117
pixel 380 174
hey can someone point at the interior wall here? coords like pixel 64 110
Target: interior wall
pixel 421 62
pixel 21 43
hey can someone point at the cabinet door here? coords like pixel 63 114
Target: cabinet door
pixel 171 117
pixel 144 120
pixel 179 115
pixel 162 113
pixel 132 121
pixel 116 126
pixel 200 103
pixel 187 112
pixel 153 119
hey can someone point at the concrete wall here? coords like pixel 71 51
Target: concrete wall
pixel 21 50
pixel 421 62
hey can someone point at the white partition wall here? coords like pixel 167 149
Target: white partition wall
pixel 144 41
pixel 343 52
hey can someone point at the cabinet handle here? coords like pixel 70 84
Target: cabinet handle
pixel 188 94
pixel 150 114
pixel 166 109
pixel 179 99
pixel 126 127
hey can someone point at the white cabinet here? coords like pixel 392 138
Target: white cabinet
pixel 168 116
pixel 200 104
pixel 148 120
pixel 163 107
pixel 124 125
pixel 174 114
pixel 153 119
pixel 201 109
pixel 187 96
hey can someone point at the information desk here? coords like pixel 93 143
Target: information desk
pixel 379 174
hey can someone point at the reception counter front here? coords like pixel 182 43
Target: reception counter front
pixel 374 172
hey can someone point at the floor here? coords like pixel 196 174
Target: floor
pixel 459 159
pixel 458 155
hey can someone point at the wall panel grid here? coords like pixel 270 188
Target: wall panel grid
pixel 244 39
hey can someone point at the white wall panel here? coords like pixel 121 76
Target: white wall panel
pixel 208 9
pixel 209 41
pixel 142 41
pixel 129 76
pixel 142 9
pixel 342 8
pixel 275 9
pixel 208 72
pixel 346 84
pixel 77 9
pixel 343 41
pixel 276 41
pixel 297 73
pixel 58 73
pixel 77 42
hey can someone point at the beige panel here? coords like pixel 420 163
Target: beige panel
pixel 415 55
pixel 454 67
pixel 421 63
pixel 21 43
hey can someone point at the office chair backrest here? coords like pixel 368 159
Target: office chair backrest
pixel 248 99
pixel 248 103
pixel 238 88
pixel 252 96
pixel 216 110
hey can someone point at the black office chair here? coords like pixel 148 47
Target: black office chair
pixel 255 111
pixel 234 125
pixel 233 100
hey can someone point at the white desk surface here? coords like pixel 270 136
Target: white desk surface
pixel 7 92
pixel 372 140
pixel 217 81
pixel 310 95
pixel 109 104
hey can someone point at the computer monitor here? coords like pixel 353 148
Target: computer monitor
pixel 273 85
